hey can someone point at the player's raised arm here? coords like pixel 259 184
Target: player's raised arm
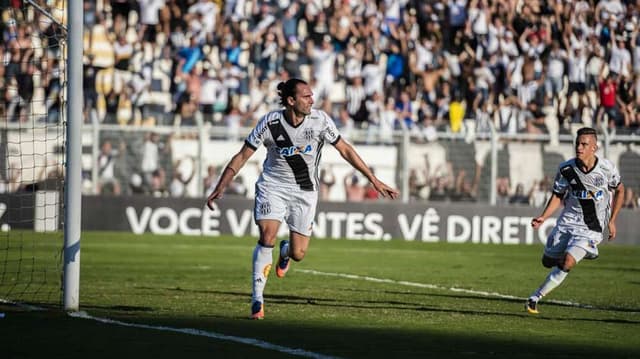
pixel 232 168
pixel 348 152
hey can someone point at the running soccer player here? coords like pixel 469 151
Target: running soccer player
pixel 584 183
pixel 287 189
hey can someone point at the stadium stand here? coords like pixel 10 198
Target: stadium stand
pixel 522 66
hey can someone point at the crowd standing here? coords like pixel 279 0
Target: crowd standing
pixel 526 66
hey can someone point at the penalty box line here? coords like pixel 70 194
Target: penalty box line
pixel 203 333
pixel 438 287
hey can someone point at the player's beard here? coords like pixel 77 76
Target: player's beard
pixel 303 110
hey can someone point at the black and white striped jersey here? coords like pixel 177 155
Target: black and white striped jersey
pixel 587 196
pixel 293 153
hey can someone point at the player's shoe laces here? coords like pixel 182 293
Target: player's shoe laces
pixel 283 261
pixel 531 306
pixel 257 310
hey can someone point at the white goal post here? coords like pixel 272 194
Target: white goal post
pixel 73 183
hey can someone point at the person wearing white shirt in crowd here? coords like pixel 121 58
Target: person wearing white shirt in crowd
pixel 635 49
pixel 209 11
pixel 620 61
pixel 324 58
pixel 555 70
pixel 149 18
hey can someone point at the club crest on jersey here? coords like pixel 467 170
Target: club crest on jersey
pixel 598 181
pixel 308 134
pixel 294 150
pixel 586 194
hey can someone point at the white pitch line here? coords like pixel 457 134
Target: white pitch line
pixel 435 286
pixel 203 333
pixel 190 331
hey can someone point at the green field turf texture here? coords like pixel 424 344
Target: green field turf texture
pixel 204 283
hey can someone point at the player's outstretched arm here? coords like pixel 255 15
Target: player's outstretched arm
pixel 232 168
pixel 552 205
pixel 348 152
pixel 618 200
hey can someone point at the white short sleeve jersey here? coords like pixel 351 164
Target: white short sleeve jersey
pixel 293 153
pixel 586 195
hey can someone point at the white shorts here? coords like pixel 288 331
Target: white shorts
pixel 285 204
pixel 560 242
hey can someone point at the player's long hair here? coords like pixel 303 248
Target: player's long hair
pixel 288 88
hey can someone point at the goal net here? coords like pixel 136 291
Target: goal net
pixel 32 151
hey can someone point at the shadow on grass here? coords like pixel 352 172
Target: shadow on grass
pixel 51 334
pixel 512 300
pixel 409 306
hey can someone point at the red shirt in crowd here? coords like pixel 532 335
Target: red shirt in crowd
pixel 608 93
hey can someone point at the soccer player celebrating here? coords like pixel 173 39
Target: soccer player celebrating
pixel 287 189
pixel 584 182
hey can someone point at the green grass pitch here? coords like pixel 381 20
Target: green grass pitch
pixel 421 300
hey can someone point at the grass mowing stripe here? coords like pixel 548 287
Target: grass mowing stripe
pixel 203 333
pixel 434 286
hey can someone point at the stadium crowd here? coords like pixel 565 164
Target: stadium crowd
pixel 426 66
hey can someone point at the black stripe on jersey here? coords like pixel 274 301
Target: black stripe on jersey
pixel 589 213
pixel 296 162
pixel 316 175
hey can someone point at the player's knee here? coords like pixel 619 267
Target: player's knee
pixel 267 239
pixel 298 254
pixel 567 264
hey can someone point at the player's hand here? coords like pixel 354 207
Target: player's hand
pixel 216 194
pixel 612 231
pixel 386 191
pixel 536 222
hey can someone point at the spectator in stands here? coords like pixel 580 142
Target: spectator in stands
pixel 323 58
pixel 502 191
pixel 107 181
pixel 181 179
pixel 151 149
pixel 464 191
pixel 158 186
pixel 354 191
pixel 439 191
pixel 370 192
pixel 327 180
pixel 609 102
pixel 356 105
pixel 404 111
pixel 199 60
pixel 209 181
pixel 149 18
pixel 387 120
pixel 631 200
pixel 136 184
pixel 414 184
pixel 519 197
pixel 539 193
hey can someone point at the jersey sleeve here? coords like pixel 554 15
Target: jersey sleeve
pixel 330 132
pixel 614 179
pixel 560 184
pixel 258 134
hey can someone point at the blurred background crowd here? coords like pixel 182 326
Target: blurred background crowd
pixel 425 66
